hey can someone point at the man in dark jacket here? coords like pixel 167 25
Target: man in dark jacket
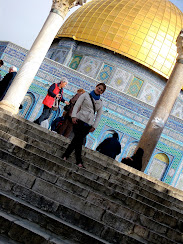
pixel 55 90
pixel 110 146
pixel 7 81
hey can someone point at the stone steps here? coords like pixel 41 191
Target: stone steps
pixel 149 197
pixel 162 230
pixel 52 225
pixel 107 233
pixel 144 192
pixel 22 231
pixel 149 191
pixel 160 189
pixel 75 175
pixel 6 240
pixel 106 195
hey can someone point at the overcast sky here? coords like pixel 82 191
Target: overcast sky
pixel 21 20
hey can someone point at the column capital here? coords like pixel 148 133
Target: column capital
pixel 180 47
pixel 62 7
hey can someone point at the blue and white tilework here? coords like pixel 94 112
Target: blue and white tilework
pixel 120 79
pixel 178 109
pixel 150 94
pixel 89 66
pixel 127 115
pixel 135 86
pixel 105 73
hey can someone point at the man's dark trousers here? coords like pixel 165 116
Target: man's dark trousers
pixel 45 115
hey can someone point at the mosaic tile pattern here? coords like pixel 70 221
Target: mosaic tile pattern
pixel 75 61
pixel 179 184
pixel 176 161
pixel 177 110
pixel 120 62
pixel 143 31
pixel 120 79
pixel 158 165
pixel 90 141
pixel 131 148
pixel 105 73
pixel 124 114
pixel 135 87
pixel 2 73
pixel 89 66
pixel 157 169
pixel 59 56
pixel 178 174
pixel 27 104
pixel 150 94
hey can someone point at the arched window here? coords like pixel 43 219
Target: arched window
pixel 105 134
pixel 158 166
pixel 28 104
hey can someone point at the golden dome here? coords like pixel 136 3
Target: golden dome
pixel 142 30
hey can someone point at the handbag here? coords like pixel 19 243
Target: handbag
pixel 55 105
pixel 67 107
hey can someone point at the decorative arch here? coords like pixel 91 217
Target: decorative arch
pixel 106 134
pixel 28 104
pixel 158 165
pixel 131 148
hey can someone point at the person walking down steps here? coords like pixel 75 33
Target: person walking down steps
pixel 85 118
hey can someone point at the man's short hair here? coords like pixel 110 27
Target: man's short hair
pixel 13 68
pixel 64 80
pixel 1 62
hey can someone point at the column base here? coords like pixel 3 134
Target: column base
pixel 8 107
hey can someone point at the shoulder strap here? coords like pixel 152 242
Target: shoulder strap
pixel 92 102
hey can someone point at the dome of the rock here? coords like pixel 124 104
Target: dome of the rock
pixel 144 31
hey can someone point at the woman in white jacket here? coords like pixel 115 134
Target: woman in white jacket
pixel 85 117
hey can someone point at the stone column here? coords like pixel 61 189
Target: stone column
pixel 35 56
pixel 163 107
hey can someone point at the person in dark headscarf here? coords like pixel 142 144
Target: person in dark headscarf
pixel 136 160
pixel 110 146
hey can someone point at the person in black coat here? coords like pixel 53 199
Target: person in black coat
pixel 110 146
pixel 6 82
pixel 136 160
pixel 1 63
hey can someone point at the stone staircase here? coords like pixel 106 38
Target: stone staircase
pixel 44 199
